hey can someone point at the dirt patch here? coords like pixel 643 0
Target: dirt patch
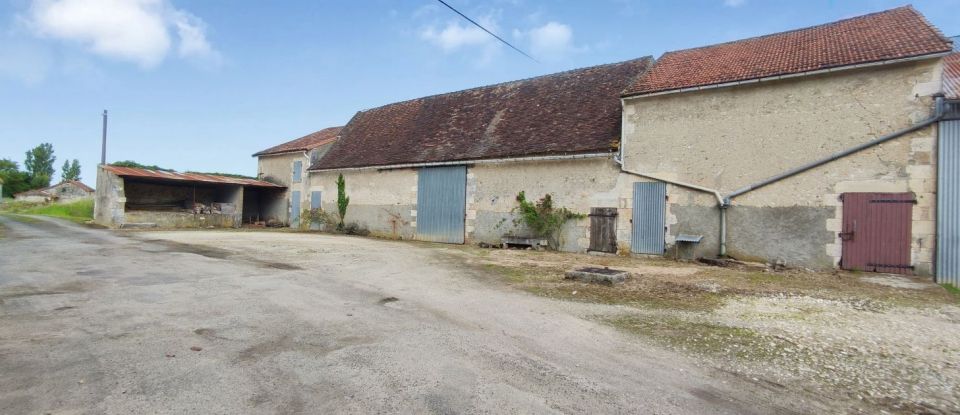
pixel 877 342
pixel 201 250
pixel 218 253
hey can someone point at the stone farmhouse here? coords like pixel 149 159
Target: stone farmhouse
pixel 286 165
pixel 829 146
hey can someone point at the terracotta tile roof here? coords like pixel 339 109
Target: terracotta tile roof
pixel 185 177
pixel 951 76
pixel 305 143
pixel 893 34
pixel 571 112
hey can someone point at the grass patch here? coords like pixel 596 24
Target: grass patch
pixel 952 290
pixel 701 337
pixel 79 211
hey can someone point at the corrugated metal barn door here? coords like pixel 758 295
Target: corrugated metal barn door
pixel 603 229
pixel 948 203
pixel 295 209
pixel 876 232
pixel 441 204
pixel 649 202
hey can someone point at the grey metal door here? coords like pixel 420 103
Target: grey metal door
pixel 948 203
pixel 314 204
pixel 649 226
pixel 441 204
pixel 295 209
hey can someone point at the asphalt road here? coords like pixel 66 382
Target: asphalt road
pixel 94 321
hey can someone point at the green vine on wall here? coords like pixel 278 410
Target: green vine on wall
pixel 314 216
pixel 543 218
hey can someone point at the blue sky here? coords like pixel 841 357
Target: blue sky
pixel 202 85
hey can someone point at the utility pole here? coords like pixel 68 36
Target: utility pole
pixel 103 145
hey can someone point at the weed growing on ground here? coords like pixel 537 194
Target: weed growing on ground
pixel 952 289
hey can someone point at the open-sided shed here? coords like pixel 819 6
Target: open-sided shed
pixel 128 196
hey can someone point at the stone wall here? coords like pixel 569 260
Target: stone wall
pixel 279 169
pixel 382 201
pixel 109 199
pixel 69 192
pixel 727 138
pixel 385 201
pixel 577 185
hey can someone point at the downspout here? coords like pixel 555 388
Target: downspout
pixel 721 203
pixel 835 156
pixel 724 202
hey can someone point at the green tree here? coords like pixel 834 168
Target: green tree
pixel 70 170
pixel 39 165
pixel 342 200
pixel 14 180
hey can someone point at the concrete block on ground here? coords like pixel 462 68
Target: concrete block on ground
pixel 597 275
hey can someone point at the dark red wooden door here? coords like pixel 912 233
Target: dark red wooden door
pixel 876 232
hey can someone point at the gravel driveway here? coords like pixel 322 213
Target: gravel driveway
pixel 94 321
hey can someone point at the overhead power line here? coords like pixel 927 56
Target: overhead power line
pixel 485 30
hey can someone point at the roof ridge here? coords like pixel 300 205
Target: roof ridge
pixel 276 149
pixel 800 29
pixel 532 78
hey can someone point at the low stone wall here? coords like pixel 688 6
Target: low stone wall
pixel 183 220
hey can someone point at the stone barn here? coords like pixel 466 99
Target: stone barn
pixel 286 164
pixel 449 167
pixel 129 197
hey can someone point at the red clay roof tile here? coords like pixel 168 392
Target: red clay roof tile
pixel 305 143
pixel 571 112
pixel 893 34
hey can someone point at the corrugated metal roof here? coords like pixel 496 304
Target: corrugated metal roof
pixel 186 177
pixel 951 76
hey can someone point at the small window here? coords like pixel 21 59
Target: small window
pixel 297 167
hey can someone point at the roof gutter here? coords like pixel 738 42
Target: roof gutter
pixel 788 76
pixel 282 153
pixel 464 162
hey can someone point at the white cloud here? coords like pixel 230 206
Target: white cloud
pixel 456 36
pixel 551 41
pixel 734 3
pixel 136 31
pixel 193 38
